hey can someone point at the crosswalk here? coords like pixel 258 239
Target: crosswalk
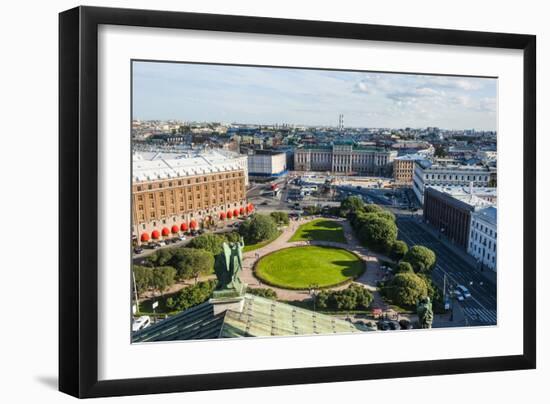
pixel 484 316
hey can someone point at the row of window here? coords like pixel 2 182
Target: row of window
pixel 456 177
pixel 188 181
pixel 485 229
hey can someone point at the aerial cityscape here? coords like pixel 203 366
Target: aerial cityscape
pixel 286 201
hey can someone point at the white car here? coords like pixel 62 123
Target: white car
pixel 182 238
pixel 140 323
pixel 458 295
pixel 465 292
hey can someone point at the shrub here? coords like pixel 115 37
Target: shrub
pixel 351 298
pixel 263 292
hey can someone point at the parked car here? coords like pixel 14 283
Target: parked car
pixel 405 324
pixel 161 243
pixel 465 292
pixel 140 323
pixel 371 326
pixel 138 250
pixel 174 240
pixel 394 325
pixel 383 325
pixel 182 237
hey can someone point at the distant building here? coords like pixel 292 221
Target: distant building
pixel 403 168
pixel 173 192
pixel 345 158
pixel 482 244
pixel 266 163
pixel 445 174
pixel 449 210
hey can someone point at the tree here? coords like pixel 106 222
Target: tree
pixel 208 241
pixel 232 237
pixel 192 262
pixel 163 278
pixel 406 289
pixel 398 249
pixel 372 208
pixel 440 151
pixel 404 267
pixel 281 218
pixel 421 258
pixel 259 228
pixel 351 204
pixel 193 295
pixel 143 277
pixel 378 233
pixel 161 257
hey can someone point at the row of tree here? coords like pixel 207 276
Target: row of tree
pixel 375 227
pixel 412 279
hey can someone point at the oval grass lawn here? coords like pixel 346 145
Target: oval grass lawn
pixel 300 267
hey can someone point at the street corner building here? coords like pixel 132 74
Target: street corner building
pixel 177 192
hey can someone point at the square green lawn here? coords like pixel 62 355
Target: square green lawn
pixel 320 230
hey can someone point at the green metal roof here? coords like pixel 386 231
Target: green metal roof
pixel 260 317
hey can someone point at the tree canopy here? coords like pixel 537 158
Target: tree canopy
pixel 398 249
pixel 421 258
pixel 192 262
pixel 406 289
pixel 208 241
pixel 258 228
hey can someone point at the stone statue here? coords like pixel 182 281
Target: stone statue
pixel 227 265
pixel 425 312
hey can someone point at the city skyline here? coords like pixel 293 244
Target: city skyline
pixel 262 95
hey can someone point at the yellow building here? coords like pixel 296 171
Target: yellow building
pixel 173 193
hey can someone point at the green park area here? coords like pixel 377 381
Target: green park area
pixel 320 230
pixel 260 244
pixel 301 267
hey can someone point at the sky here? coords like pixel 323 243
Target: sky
pixel 262 95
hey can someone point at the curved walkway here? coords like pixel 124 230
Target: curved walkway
pixel 368 279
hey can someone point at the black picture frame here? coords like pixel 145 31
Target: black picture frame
pixel 78 196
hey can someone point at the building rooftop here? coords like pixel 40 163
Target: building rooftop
pixel 260 317
pixel 151 166
pixel 411 157
pixel 488 214
pixel 476 197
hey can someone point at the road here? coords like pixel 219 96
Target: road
pixel 481 308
